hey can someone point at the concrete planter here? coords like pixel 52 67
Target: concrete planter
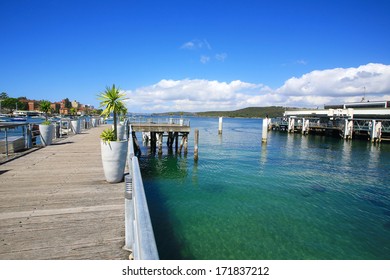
pixel 76 127
pixel 94 122
pixel 114 160
pixel 121 131
pixel 46 134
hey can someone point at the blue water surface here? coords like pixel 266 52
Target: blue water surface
pixel 295 197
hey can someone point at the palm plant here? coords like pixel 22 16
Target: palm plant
pixel 45 107
pixel 122 113
pixel 113 102
pixel 73 111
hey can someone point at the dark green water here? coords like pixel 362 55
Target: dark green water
pixel 297 197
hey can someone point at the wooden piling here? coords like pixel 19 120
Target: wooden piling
pixel 196 136
pixel 160 142
pixel 176 136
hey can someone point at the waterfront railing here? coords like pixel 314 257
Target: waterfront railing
pixel 139 235
pixel 20 136
pixel 358 124
pixel 152 120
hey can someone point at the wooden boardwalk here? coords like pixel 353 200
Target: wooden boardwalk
pixel 55 204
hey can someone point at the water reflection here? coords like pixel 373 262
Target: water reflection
pixel 374 154
pixel 263 155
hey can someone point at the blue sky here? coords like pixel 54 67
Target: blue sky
pixel 197 55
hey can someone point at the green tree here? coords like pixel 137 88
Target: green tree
pixel 68 104
pixel 12 103
pixel 73 111
pixel 3 95
pixel 45 107
pixel 112 100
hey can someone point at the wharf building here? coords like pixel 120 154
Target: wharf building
pixel 368 120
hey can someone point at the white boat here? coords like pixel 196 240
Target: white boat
pixel 18 119
pixel 4 118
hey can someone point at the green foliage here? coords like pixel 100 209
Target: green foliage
pixel 108 135
pixel 112 100
pixel 73 111
pixel 67 104
pixel 11 103
pixel 3 95
pixel 46 122
pixel 45 107
pixel 250 112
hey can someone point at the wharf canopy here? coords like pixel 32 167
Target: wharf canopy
pixel 354 110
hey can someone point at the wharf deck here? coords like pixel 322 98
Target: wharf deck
pixel 150 127
pixel 56 204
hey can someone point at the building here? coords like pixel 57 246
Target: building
pixel 75 104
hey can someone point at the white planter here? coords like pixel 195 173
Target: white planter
pixel 94 122
pixel 76 127
pixel 46 134
pixel 121 131
pixel 114 160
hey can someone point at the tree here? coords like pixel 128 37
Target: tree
pixel 3 95
pixel 45 107
pixel 68 104
pixel 73 111
pixel 113 102
pixel 12 103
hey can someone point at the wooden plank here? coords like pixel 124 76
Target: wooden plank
pixel 55 204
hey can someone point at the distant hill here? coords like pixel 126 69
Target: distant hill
pixel 249 112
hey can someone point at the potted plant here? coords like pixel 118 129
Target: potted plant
pixel 46 129
pixel 113 150
pixel 75 123
pixel 121 127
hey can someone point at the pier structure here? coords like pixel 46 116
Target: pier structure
pixel 55 204
pixel 370 120
pixel 154 131
pixel 19 137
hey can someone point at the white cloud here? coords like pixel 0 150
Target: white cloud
pixel 313 89
pixel 301 61
pixel 337 85
pixel 196 44
pixel 188 46
pixel 204 59
pixel 194 95
pixel 221 56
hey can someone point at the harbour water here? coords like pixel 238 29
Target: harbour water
pixel 296 197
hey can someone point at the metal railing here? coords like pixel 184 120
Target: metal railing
pixel 358 124
pixel 139 235
pixel 20 136
pixel 151 120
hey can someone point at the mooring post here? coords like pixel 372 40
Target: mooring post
pixel 291 125
pixel 373 131
pixel 176 136
pixel 379 131
pixel 196 144
pixel 185 143
pixel 220 125
pixel 265 130
pixel 160 142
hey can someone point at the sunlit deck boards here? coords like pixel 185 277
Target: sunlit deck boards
pixel 55 204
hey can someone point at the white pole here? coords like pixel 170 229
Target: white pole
pixel 220 126
pixel 265 130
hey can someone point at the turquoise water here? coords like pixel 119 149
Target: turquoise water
pixel 297 197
